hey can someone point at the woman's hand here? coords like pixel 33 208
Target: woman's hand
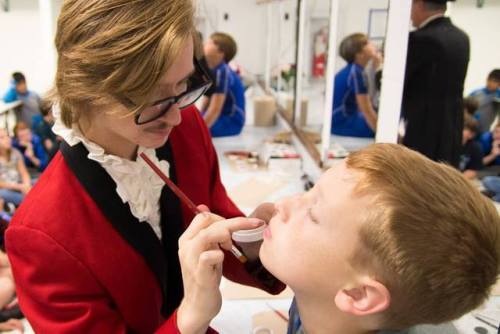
pixel 24 188
pixel 201 258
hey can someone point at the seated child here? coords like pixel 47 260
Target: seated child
pixel 382 242
pixel 471 156
pixel 224 110
pixel 31 147
pixel 490 142
pixel 18 91
pixel 487 111
pixel 15 181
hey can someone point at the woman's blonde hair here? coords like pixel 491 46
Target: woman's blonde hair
pixel 116 50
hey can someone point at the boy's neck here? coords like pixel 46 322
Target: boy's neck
pixel 323 317
pixel 213 63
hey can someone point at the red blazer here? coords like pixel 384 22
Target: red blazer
pixel 83 264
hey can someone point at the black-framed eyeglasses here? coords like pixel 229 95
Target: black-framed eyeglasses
pixel 199 82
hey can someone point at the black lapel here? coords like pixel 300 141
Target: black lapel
pixel 172 228
pixel 101 187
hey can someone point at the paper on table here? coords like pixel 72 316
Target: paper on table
pixel 254 191
pixel 270 321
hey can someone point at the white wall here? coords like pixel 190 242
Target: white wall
pixel 482 25
pixel 247 23
pixel 25 48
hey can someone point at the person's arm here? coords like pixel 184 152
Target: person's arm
pixel 495 152
pixel 360 87
pixel 201 259
pixel 57 300
pixel 29 154
pixel 40 153
pixel 253 274
pixel 365 106
pixel 10 186
pixel 214 108
pixel 10 95
pixel 25 176
pixel 475 163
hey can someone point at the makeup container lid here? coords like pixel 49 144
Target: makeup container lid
pixel 249 235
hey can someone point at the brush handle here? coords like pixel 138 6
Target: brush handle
pixel 177 191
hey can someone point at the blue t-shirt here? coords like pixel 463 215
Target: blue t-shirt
pixel 295 326
pixel 232 117
pixel 347 119
pixel 38 150
pixel 488 109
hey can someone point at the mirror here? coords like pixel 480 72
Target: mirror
pixel 357 75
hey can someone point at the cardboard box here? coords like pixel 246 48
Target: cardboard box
pixel 303 111
pixel 265 111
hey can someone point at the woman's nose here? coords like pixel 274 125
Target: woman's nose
pixel 173 116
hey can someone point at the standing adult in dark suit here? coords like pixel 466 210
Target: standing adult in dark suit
pixel 438 55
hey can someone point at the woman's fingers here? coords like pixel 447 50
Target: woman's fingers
pixel 210 267
pixel 203 208
pixel 219 233
pixel 199 222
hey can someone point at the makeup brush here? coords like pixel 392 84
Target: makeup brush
pixel 235 251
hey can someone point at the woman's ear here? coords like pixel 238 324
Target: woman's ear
pixel 368 297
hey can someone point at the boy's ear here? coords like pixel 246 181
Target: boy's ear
pixel 368 297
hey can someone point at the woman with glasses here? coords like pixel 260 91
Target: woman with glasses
pixel 94 247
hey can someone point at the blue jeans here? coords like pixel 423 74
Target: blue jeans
pixel 11 196
pixel 492 183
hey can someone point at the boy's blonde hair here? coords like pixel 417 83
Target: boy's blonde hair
pixel 116 49
pixel 429 235
pixel 226 44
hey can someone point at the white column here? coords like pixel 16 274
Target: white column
pixel 269 45
pixel 330 79
pixel 47 19
pixel 300 59
pixel 396 46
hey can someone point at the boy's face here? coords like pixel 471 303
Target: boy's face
pixel 212 52
pixel 492 85
pixel 312 236
pixel 21 87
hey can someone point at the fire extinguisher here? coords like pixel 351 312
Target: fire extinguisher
pixel 319 53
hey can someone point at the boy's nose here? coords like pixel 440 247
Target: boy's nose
pixel 282 207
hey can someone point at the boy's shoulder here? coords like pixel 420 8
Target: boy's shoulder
pixel 426 329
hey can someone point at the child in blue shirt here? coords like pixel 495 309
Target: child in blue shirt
pixel 224 110
pixel 18 91
pixel 380 244
pixel 488 97
pixel 353 114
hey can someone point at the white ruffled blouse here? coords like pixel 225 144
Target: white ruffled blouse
pixel 136 183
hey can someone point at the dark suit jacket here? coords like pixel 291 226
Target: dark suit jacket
pixel 438 55
pixel 84 264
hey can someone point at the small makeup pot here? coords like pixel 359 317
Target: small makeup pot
pixel 250 241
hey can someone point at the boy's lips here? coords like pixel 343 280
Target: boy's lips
pixel 267 233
